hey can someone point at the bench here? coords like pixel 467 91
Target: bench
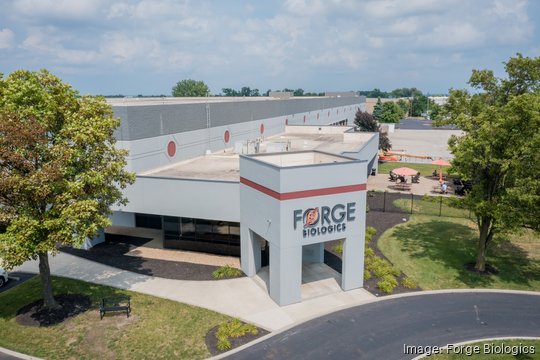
pixel 115 304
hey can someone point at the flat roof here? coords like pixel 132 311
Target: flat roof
pixel 147 101
pixel 225 164
pixel 288 159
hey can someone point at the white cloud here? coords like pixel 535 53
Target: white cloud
pixel 457 34
pixel 6 38
pixel 278 42
pixel 58 9
pixel 45 41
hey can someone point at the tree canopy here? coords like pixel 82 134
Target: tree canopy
pixel 190 88
pixel 60 169
pixel 499 149
pixel 388 112
pixel 244 91
pixel 366 122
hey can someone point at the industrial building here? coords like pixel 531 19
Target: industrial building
pixel 268 179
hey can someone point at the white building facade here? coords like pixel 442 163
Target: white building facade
pixel 213 174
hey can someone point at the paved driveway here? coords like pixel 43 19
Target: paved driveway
pixel 379 330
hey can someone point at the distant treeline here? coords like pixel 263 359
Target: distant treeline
pixel 396 93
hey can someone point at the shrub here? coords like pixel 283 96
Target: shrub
pixel 227 271
pixel 381 268
pixel 233 329
pixel 338 248
pixel 409 283
pixel 368 253
pixel 367 275
pixel 387 284
pixel 371 230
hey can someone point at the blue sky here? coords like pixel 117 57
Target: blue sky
pixel 145 46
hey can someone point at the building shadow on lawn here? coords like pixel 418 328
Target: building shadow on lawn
pixel 454 246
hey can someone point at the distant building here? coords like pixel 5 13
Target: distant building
pixel 439 100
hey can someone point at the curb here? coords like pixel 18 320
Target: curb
pixel 18 354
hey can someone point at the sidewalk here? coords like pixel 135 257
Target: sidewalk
pixel 243 297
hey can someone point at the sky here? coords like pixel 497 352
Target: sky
pixel 145 46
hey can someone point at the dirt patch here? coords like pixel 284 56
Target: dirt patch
pixel 35 314
pixel 211 340
pixel 489 270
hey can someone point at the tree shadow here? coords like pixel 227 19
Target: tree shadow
pixel 113 252
pixel 453 245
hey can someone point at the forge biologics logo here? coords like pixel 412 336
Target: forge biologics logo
pixel 324 220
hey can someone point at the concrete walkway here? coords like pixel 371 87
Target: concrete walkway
pixel 243 297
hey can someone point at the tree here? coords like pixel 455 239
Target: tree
pixel 366 122
pixel 499 149
pixel 377 109
pixel 404 106
pixel 375 93
pixel 60 170
pixel 298 92
pixel 419 105
pixel 390 113
pixel 190 88
pixel 405 92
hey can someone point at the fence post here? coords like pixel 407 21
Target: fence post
pixel 384 202
pixel 412 198
pixel 440 205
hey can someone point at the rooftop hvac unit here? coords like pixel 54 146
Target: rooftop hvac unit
pixel 280 146
pixel 247 147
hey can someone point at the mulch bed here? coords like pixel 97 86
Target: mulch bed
pixel 35 314
pixel 113 251
pixel 211 340
pixel 381 221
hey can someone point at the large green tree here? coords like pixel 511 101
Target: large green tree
pixel 190 88
pixel 390 112
pixel 366 122
pixel 59 169
pixel 499 150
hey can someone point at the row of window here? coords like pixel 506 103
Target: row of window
pixel 211 236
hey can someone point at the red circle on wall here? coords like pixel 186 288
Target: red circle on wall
pixel 304 118
pixel 171 148
pixel 262 128
pixel 227 136
pixel 286 121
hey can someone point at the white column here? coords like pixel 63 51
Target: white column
pixel 285 274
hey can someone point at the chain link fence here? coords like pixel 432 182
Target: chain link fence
pixel 385 201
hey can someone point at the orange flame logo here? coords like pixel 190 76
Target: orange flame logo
pixel 311 217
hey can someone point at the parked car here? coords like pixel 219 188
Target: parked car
pixel 3 277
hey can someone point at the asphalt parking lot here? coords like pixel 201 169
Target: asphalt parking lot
pixel 420 124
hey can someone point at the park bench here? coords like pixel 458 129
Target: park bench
pixel 115 304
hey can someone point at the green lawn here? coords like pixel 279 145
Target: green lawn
pixel 425 169
pixel 431 205
pixel 432 251
pixel 157 329
pixel 515 346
